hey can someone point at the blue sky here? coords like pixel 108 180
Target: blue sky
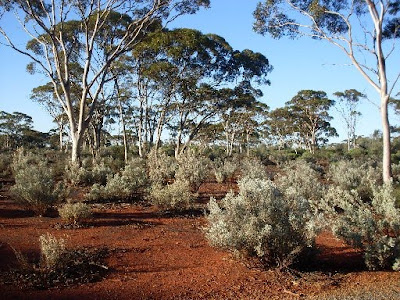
pixel 298 64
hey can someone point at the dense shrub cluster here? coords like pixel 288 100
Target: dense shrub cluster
pixel 372 226
pixel 161 167
pixel 122 185
pixel 260 221
pixel 193 167
pixel 252 168
pixel 355 175
pixel 175 196
pixel 35 186
pixel 224 169
pixel 87 174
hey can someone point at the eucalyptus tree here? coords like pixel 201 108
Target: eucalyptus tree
pixel 366 31
pixel 309 113
pixel 13 128
pixel 280 127
pixel 92 34
pixel 347 107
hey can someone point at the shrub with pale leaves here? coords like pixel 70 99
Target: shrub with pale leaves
pixel 260 221
pixel 35 186
pixel 193 167
pixel 355 175
pixel 175 196
pixel 253 168
pixel 161 167
pixel 52 249
pixel 75 212
pixel 224 169
pixel 372 226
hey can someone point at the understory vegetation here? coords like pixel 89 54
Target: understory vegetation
pixel 275 215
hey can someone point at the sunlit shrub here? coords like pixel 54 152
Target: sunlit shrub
pixel 252 168
pixel 224 169
pixel 87 174
pixel 355 175
pixel 161 167
pixel 34 186
pixel 75 212
pixel 192 167
pixel 299 179
pixel 51 249
pixel 373 227
pixel 129 182
pixel 260 221
pixel 175 196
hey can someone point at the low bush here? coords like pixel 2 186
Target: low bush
pixel 300 179
pixel 129 182
pixel 58 266
pixel 161 167
pixel 193 167
pixel 5 165
pixel 34 186
pixel 224 169
pixel 75 212
pixel 252 168
pixel 372 226
pixel 260 221
pixel 175 196
pixel 87 175
pixel 355 175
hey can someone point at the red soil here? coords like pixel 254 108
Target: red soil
pixel 156 256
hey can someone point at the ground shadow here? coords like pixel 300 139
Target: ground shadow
pixel 103 219
pixel 7 213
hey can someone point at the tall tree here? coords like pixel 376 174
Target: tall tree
pixel 89 34
pixel 309 112
pixel 365 31
pixel 347 107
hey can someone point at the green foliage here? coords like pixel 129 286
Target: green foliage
pixel 175 196
pixel 85 175
pixel 75 212
pixel 52 249
pixel 161 166
pixel 132 180
pixel 260 221
pixel 193 167
pixel 224 169
pixel 5 165
pixel 301 179
pixel 355 175
pixel 34 186
pixel 252 168
pixel 373 227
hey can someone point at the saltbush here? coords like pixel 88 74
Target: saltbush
pixel 75 212
pixel 86 174
pixel 252 168
pixel 161 167
pixel 52 249
pixel 300 179
pixel 355 175
pixel 175 196
pixel 192 167
pixel 35 186
pixel 129 182
pixel 5 164
pixel 372 226
pixel 260 221
pixel 224 169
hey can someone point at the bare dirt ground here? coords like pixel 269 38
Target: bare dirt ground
pixel 160 256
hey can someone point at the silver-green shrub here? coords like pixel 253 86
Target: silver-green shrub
pixel 252 168
pixel 130 181
pixel 224 169
pixel 86 174
pixel 75 212
pixel 355 175
pixel 175 196
pixel 35 186
pixel 373 226
pixel 260 221
pixel 52 249
pixel 192 167
pixel 161 167
pixel 299 179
